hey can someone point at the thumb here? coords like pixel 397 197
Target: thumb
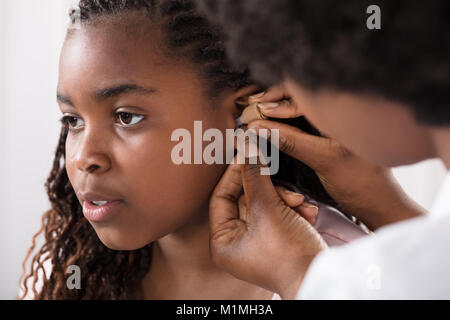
pixel 260 193
pixel 223 205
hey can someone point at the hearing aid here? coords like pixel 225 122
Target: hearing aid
pixel 249 114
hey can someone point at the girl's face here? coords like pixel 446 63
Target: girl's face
pixel 126 98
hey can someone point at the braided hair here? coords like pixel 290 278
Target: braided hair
pixel 69 238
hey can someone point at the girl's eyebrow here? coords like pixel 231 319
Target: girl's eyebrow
pixel 106 93
pixel 109 92
pixel 63 99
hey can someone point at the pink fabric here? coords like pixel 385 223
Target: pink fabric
pixel 335 228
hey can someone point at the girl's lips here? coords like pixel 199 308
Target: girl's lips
pixel 96 213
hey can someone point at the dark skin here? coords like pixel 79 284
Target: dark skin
pixel 162 203
pixel 352 170
pixel 343 171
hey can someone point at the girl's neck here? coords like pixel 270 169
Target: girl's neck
pixel 181 268
pixel 441 140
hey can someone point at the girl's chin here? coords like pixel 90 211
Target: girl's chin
pixel 121 243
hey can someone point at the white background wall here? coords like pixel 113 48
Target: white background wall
pixel 31 35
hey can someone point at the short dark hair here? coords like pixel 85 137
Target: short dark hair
pixel 326 44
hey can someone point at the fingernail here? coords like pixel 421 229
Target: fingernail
pixel 257 96
pixel 312 209
pixel 294 193
pixel 309 205
pixel 268 105
pixel 260 131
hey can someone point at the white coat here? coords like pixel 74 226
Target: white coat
pixel 405 260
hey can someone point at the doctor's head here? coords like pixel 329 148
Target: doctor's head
pixel 375 90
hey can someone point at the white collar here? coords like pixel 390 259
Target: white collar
pixel 441 205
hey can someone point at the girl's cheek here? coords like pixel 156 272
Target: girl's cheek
pixel 69 171
pixel 70 165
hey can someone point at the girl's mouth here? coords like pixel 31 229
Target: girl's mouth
pixel 100 203
pixel 97 211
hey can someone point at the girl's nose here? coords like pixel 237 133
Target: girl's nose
pixel 93 163
pixel 92 156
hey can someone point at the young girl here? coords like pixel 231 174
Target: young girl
pixel 132 72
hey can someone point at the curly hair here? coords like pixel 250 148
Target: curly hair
pixel 326 44
pixel 69 238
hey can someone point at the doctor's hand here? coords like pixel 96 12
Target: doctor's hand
pixel 363 189
pixel 258 233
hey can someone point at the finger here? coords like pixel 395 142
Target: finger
pixel 272 94
pixel 296 201
pixel 260 193
pixel 223 205
pixel 283 109
pixel 242 208
pixel 316 152
pixel 292 199
pixel 308 211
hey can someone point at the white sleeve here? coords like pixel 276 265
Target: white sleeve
pixel 406 260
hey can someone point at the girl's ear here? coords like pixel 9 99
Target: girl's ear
pixel 241 96
pixel 236 101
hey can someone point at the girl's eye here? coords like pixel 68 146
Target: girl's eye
pixel 128 119
pixel 71 122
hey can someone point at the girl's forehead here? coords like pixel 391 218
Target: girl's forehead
pixel 119 32
pixel 96 48
pixel 92 58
